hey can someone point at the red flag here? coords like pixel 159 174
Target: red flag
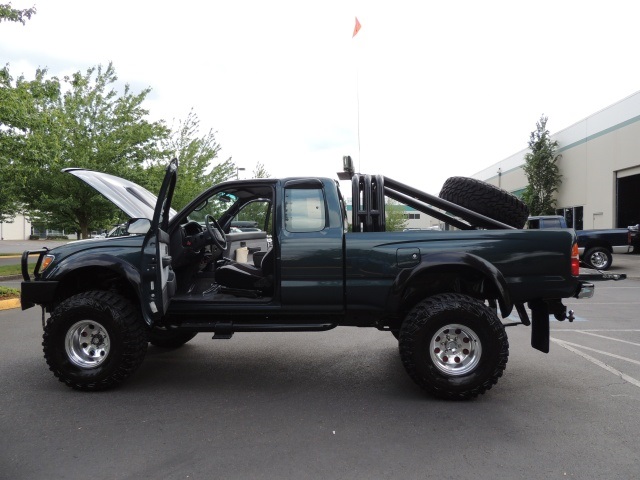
pixel 356 28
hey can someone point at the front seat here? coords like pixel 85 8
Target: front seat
pixel 242 276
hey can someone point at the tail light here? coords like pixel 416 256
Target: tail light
pixel 575 260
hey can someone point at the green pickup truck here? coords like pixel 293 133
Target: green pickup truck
pixel 306 267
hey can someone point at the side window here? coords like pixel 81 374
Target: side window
pixel 254 216
pixel 304 210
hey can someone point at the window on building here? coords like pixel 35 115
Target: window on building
pixel 412 216
pixel 573 216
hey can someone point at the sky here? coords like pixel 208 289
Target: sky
pixel 426 90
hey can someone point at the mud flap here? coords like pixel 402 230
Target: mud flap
pixel 539 325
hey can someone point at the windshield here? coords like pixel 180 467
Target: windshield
pixel 215 205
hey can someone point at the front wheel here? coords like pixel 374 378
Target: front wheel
pixel 453 346
pixel 94 340
pixel 599 258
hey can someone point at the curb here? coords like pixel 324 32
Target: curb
pixel 8 304
pixel 7 278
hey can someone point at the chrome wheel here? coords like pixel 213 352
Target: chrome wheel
pixel 455 350
pixel 599 259
pixel 87 344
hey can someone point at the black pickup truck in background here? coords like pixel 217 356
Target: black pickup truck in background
pixel 596 246
pixel 634 237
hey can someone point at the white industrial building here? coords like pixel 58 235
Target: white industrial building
pixel 17 229
pixel 600 167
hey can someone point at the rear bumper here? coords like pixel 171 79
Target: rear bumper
pixel 585 290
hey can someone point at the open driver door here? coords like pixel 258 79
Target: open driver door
pixel 158 279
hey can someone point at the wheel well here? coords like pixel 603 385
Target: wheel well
pixel 449 279
pixel 94 278
pixel 591 245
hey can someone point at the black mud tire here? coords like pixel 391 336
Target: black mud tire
pixel 115 334
pixel 163 338
pixel 599 258
pixel 486 199
pixel 453 346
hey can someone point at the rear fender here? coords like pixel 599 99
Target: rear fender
pixel 464 263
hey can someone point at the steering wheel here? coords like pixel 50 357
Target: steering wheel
pixel 215 231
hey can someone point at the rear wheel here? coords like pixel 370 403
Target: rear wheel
pixel 94 340
pixel 486 199
pixel 599 258
pixel 453 346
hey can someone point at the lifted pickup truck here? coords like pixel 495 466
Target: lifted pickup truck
pixel 438 292
pixel 596 246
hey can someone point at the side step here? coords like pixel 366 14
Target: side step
pixel 222 336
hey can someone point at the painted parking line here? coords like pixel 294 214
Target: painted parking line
pixel 613 355
pixel 599 330
pixel 514 317
pixel 597 362
pixel 584 332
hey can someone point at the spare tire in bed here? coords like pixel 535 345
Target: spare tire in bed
pixel 485 199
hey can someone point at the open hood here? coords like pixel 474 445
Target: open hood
pixel 131 198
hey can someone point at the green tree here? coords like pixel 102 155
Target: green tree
pixel 541 169
pixel 90 125
pixel 199 167
pixel 9 14
pixel 395 218
pixel 25 120
pixel 260 171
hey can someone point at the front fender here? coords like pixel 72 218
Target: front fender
pixel 450 261
pixel 75 263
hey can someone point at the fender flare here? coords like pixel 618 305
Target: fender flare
pixel 116 264
pixel 441 261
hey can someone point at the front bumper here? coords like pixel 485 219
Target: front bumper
pixel 35 291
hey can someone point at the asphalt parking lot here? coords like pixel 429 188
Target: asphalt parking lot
pixel 336 404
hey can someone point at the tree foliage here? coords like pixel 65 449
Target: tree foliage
pixel 541 169
pixel 199 167
pixel 79 121
pixel 395 218
pixel 260 171
pixel 9 14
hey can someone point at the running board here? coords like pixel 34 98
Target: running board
pixel 226 330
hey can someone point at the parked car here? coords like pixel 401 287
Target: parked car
pixel 596 246
pixel 634 237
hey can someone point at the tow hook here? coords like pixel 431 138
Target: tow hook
pixel 567 315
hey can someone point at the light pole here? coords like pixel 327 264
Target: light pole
pixel 238 170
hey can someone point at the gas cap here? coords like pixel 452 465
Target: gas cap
pixel 408 257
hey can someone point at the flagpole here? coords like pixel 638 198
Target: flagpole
pixel 356 29
pixel 358 106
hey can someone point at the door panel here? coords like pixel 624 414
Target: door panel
pixel 158 279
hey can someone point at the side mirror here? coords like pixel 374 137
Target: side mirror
pixel 138 226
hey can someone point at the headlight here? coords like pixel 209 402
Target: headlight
pixel 46 261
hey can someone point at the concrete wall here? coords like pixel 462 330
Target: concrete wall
pixel 595 151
